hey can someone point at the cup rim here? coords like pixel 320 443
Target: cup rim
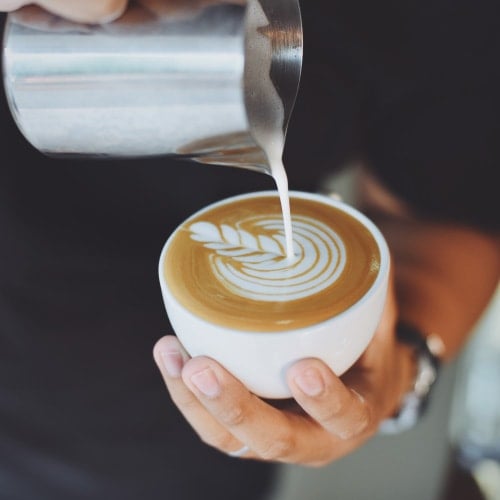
pixel 380 280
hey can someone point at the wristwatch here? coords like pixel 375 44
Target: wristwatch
pixel 427 350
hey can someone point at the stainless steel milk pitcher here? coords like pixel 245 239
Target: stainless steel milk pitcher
pixel 208 85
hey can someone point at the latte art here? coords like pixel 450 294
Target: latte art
pixel 254 265
pixel 228 264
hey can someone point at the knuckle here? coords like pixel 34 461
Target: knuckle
pixel 185 400
pixel 364 422
pixel 232 416
pixel 279 448
pixel 332 411
pixel 346 433
pixel 357 426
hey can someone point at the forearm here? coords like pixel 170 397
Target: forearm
pixel 445 275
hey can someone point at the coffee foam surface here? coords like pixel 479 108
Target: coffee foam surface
pixel 228 264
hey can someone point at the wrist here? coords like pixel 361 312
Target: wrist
pixel 419 369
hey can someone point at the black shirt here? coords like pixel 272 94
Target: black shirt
pixel 84 413
pixel 410 88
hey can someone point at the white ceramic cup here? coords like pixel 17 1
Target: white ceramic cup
pixel 260 359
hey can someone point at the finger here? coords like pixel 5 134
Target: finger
pixel 168 8
pixel 271 434
pixel 37 18
pixel 9 5
pixel 339 409
pixel 87 11
pixel 170 357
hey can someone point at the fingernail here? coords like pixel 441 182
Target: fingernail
pixel 310 382
pixel 206 382
pixel 173 362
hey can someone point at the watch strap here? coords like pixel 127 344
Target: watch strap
pixel 415 402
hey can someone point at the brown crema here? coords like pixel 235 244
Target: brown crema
pixel 188 267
